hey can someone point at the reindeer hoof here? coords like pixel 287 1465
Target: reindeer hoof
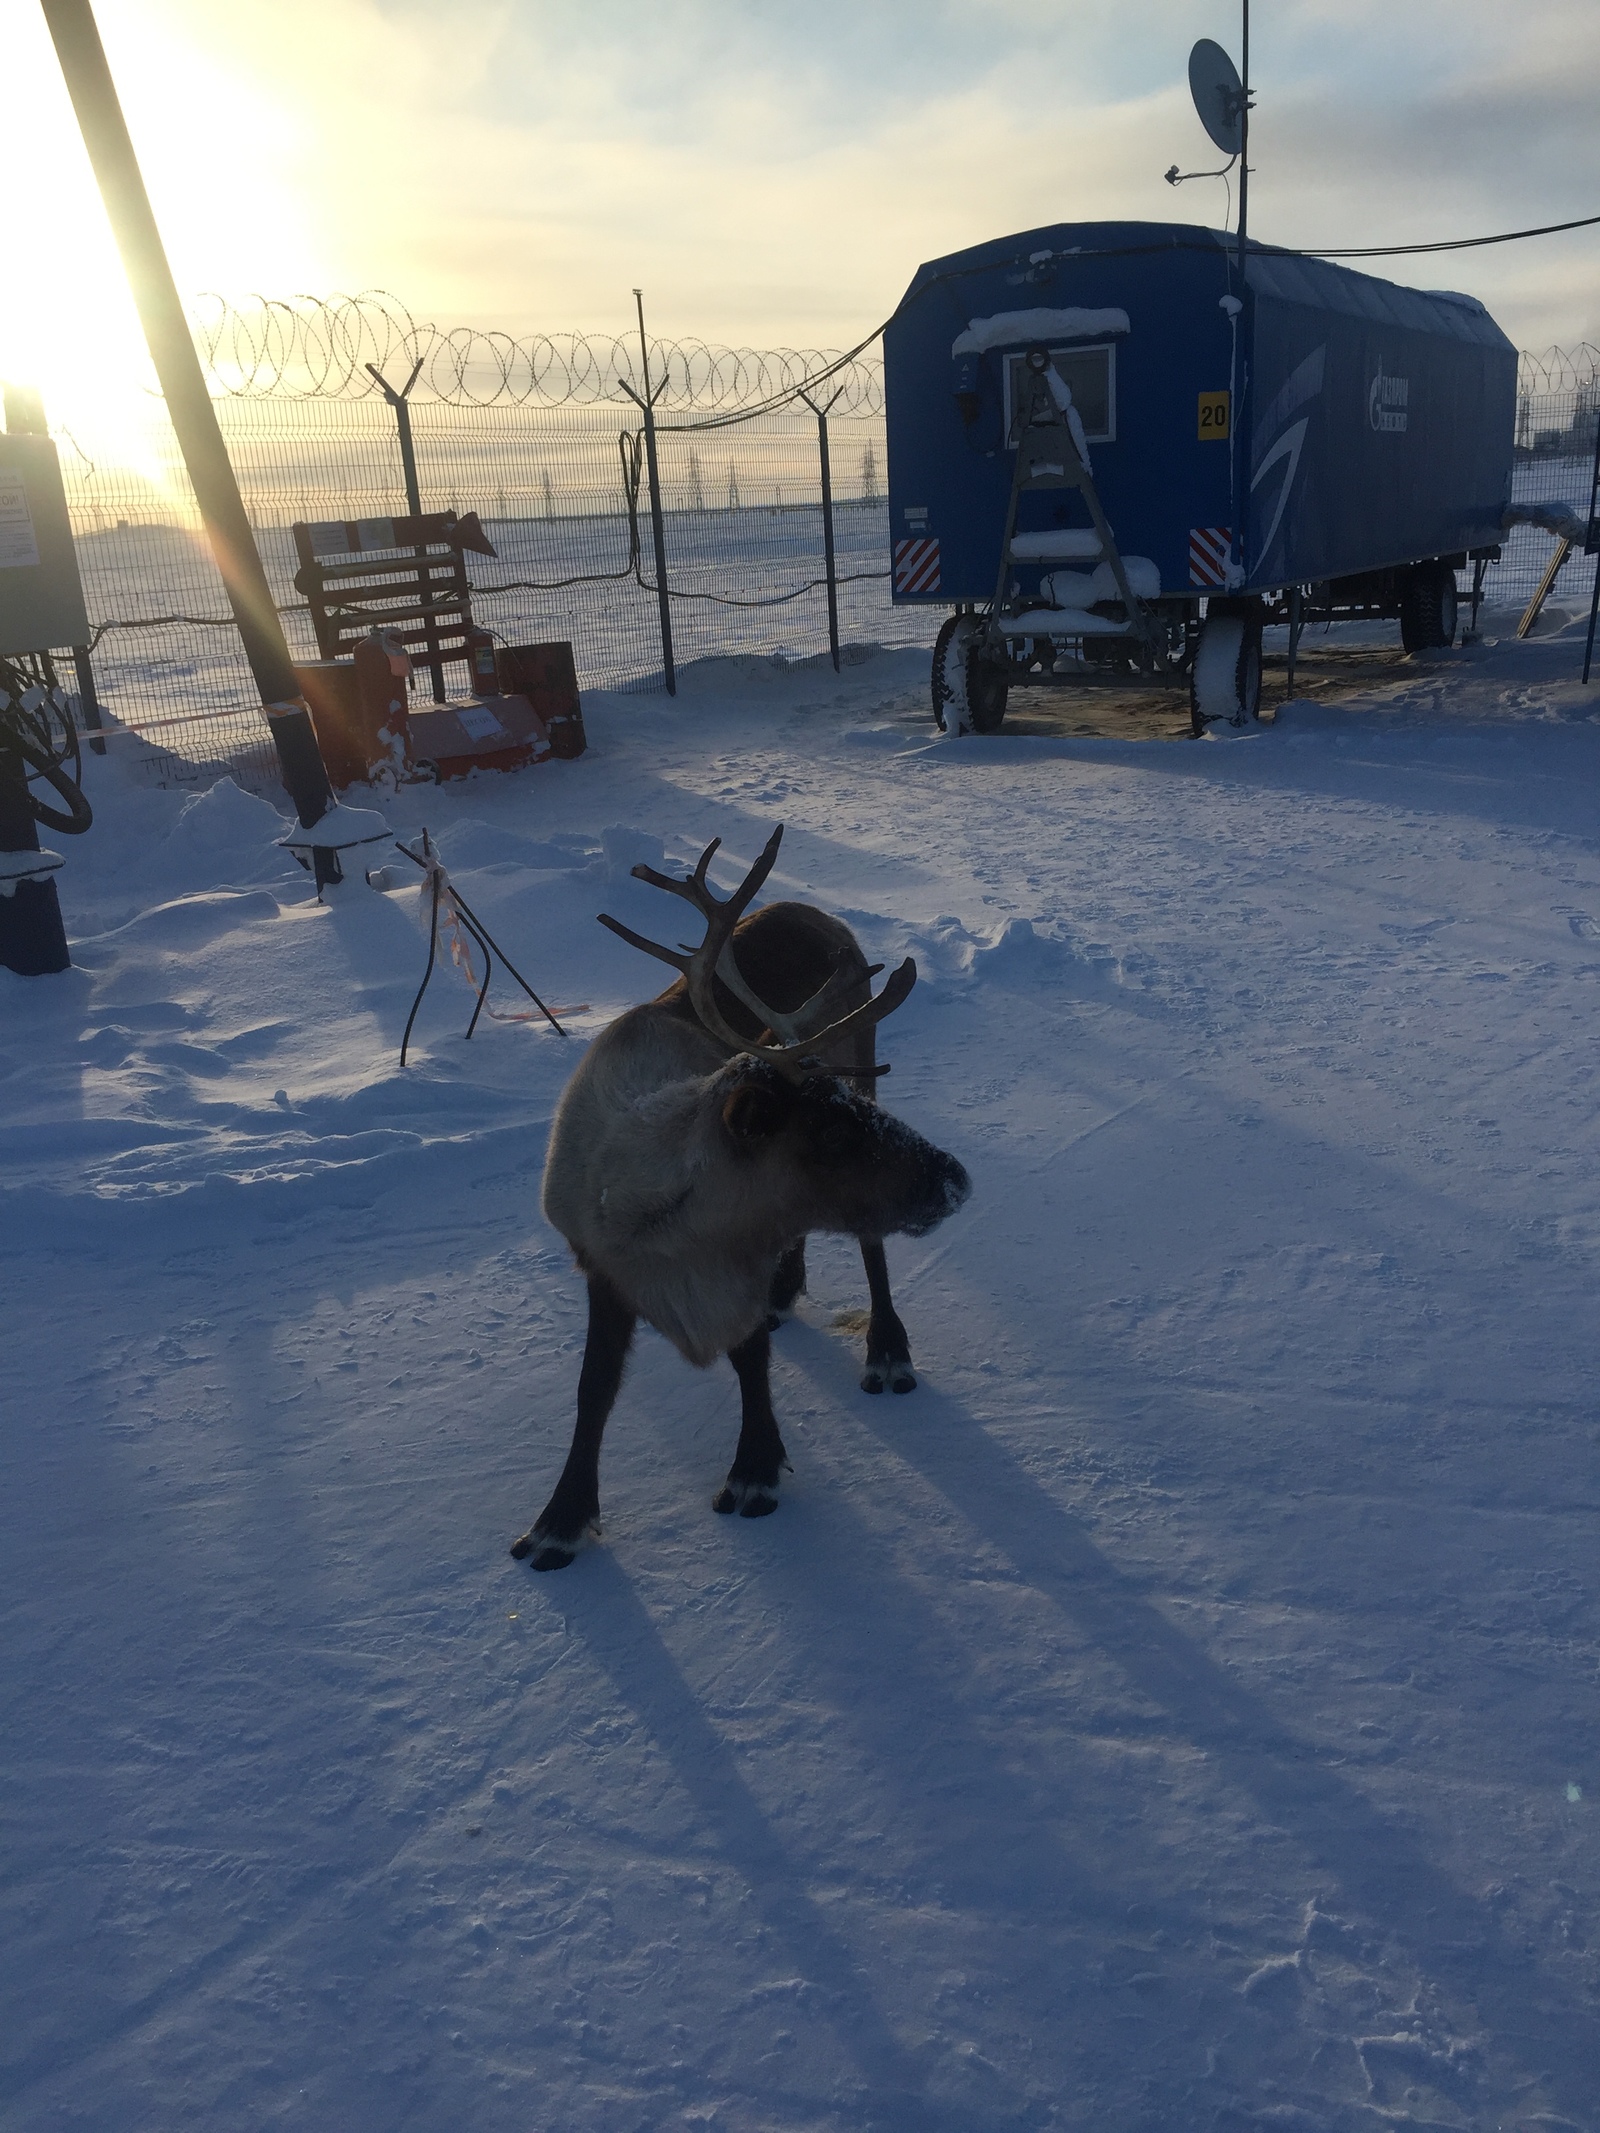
pixel 546 1551
pixel 551 1555
pixel 898 1377
pixel 751 1499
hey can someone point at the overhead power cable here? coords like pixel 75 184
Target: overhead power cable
pixel 1450 244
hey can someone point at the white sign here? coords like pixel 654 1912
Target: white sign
pixel 1388 401
pixel 18 548
pixel 481 723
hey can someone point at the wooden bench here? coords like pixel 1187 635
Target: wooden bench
pixel 404 576
pixel 395 591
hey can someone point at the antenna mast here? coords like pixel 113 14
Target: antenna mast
pixel 1244 141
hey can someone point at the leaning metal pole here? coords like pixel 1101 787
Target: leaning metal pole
pixel 116 168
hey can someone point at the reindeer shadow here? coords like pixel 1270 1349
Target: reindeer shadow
pixel 1377 1875
pixel 618 1633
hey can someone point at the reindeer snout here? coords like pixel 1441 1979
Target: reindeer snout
pixel 945 1187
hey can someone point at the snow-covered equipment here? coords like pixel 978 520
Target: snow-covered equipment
pixel 389 593
pixel 1062 406
pixel 38 746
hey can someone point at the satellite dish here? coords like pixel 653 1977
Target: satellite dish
pixel 1218 95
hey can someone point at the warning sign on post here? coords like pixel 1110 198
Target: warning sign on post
pixel 18 548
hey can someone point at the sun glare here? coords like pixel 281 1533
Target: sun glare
pixel 219 177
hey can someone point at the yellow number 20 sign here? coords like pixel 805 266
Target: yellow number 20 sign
pixel 1213 415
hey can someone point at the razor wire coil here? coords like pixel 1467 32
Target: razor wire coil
pixel 310 347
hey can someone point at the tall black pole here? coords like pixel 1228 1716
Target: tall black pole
pixel 1240 383
pixel 657 530
pixel 1244 144
pixel 828 564
pixel 183 385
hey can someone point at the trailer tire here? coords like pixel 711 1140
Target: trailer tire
pixel 1225 677
pixel 969 696
pixel 1428 608
pixel 987 691
pixel 950 674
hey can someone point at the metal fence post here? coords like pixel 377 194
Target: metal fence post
pixel 88 701
pixel 828 565
pixel 401 403
pixel 647 404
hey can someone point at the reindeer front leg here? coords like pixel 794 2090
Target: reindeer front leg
pixel 888 1350
pixel 573 1512
pixel 751 1488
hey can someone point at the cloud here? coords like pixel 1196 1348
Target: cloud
pixel 775 175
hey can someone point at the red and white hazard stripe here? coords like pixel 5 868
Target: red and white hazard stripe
pixel 1208 554
pixel 916 566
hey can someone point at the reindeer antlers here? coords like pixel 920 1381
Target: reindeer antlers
pixel 714 958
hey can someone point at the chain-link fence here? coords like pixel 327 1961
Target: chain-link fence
pixel 542 440
pixel 1558 403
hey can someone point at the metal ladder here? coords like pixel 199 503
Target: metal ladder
pixel 1048 458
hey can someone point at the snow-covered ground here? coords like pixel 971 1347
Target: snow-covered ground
pixel 1179 1713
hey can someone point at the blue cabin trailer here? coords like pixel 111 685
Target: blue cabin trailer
pixel 1112 456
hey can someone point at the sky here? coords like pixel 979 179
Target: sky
pixel 770 174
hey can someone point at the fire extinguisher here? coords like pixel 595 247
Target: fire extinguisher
pixel 482 660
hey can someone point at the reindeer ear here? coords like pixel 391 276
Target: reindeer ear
pixel 755 1111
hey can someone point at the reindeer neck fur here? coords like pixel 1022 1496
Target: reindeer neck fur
pixel 639 1178
pixel 641 1183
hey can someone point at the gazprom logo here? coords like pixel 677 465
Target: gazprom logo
pixel 1388 400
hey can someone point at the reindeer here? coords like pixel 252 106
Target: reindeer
pixel 702 1137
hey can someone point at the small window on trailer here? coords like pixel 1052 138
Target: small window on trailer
pixel 1090 375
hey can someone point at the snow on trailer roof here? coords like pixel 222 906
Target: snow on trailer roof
pixel 1007 327
pixel 1291 277
pixel 1296 278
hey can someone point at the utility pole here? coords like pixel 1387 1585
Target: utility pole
pixel 1239 387
pixel 194 420
pixel 1244 143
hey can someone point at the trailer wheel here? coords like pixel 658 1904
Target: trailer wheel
pixel 950 674
pixel 969 695
pixel 987 691
pixel 1428 608
pixel 1225 679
